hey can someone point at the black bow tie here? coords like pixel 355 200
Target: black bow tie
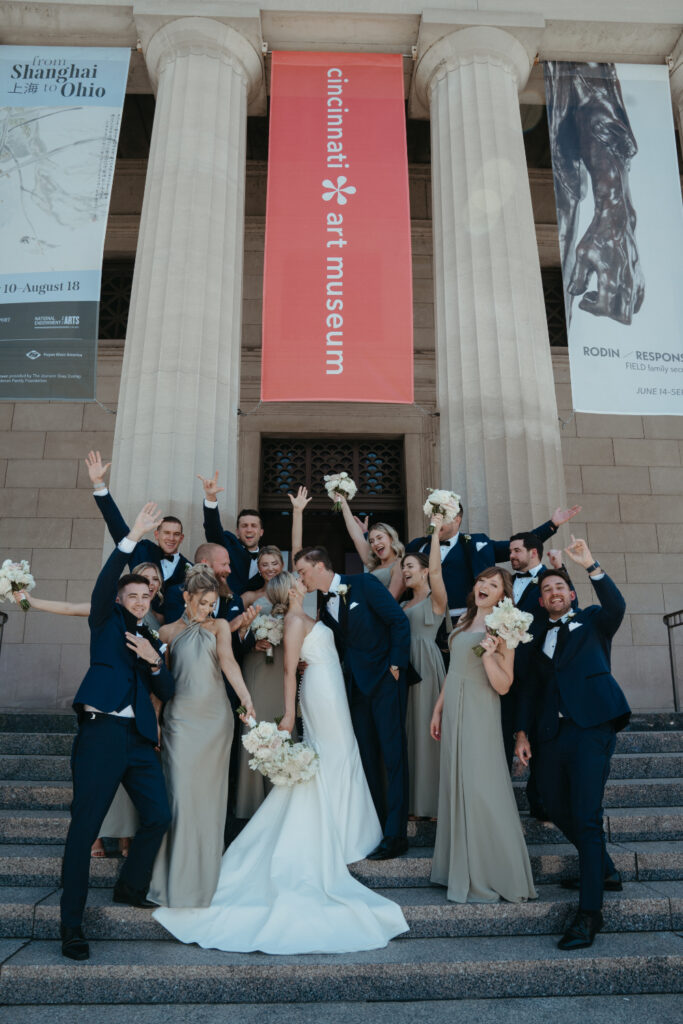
pixel 523 575
pixel 167 558
pixel 445 543
pixel 327 597
pixel 556 625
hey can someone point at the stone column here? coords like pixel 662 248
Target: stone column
pixel 677 85
pixel 500 441
pixel 177 413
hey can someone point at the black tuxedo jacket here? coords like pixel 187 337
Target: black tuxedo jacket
pixel 470 556
pixel 580 674
pixel 372 633
pixel 145 550
pixel 116 674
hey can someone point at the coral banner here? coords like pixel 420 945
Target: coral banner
pixel 337 296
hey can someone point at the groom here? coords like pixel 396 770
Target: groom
pixel 372 635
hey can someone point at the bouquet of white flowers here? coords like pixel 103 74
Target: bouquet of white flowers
pixel 510 623
pixel 443 503
pixel 270 628
pixel 339 485
pixel 277 757
pixel 15 576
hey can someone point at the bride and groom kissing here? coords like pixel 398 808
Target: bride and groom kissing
pixel 293 854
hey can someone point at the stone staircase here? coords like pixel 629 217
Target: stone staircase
pixel 452 953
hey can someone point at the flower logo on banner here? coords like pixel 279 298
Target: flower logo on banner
pixel 338 190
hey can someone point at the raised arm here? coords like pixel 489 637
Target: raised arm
pixel 299 503
pixel 546 530
pixel 230 668
pixel 356 532
pixel 438 588
pixel 295 633
pixel 116 524
pixel 613 605
pixel 41 604
pixel 213 528
pixel 104 592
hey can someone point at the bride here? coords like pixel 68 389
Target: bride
pixel 284 886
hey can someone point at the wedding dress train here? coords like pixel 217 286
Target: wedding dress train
pixel 284 886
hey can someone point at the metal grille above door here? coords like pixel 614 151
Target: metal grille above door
pixel 376 466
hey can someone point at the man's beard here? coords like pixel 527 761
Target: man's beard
pixel 223 589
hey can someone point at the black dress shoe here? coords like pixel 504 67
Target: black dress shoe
pixel 582 930
pixel 612 883
pixel 390 847
pixel 123 893
pixel 73 943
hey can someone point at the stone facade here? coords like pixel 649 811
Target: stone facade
pixel 627 472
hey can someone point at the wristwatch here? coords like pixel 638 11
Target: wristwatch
pixel 593 567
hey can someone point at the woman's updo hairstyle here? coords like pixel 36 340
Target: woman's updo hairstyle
pixel 277 592
pixel 199 579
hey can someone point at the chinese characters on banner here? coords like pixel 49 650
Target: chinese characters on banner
pixel 337 304
pixel 60 113
pixel 620 219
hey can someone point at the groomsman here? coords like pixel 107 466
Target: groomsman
pixel 526 551
pixel 168 536
pixel 228 606
pixel 577 706
pixel 116 738
pixel 463 556
pixel 372 635
pixel 242 546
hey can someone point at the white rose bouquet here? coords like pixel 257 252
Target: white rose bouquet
pixel 277 757
pixel 15 576
pixel 339 485
pixel 508 622
pixel 270 628
pixel 443 503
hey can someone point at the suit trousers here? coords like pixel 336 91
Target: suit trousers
pixel 572 771
pixel 379 720
pixel 109 751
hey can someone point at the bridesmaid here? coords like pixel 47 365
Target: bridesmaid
pixel 264 678
pixel 197 732
pixel 152 573
pixel 381 552
pixel 425 610
pixel 479 853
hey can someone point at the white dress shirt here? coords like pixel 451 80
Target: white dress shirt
pixel 519 586
pixel 333 603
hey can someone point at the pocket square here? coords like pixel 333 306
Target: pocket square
pixel 574 625
pixel 481 544
pixel 354 604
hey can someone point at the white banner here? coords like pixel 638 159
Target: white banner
pixel 620 219
pixel 60 114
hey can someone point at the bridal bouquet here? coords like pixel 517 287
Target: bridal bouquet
pixel 510 623
pixel 277 757
pixel 339 485
pixel 270 628
pixel 443 503
pixel 16 576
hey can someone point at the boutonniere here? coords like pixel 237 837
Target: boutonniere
pixel 570 615
pixel 534 579
pixel 153 633
pixel 342 591
pixel 466 537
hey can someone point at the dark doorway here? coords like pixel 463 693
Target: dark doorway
pixel 377 467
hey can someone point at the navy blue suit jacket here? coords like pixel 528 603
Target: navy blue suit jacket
pixel 115 671
pixel 372 633
pixel 240 558
pixel 580 672
pixel 145 550
pixel 470 556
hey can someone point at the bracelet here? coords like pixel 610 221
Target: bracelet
pixel 593 567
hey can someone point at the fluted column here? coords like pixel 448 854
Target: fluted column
pixel 177 413
pixel 500 443
pixel 677 85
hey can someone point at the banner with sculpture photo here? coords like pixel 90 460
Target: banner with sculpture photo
pixel 620 220
pixel 337 298
pixel 60 113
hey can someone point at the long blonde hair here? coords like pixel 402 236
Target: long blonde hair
pixel 277 592
pixel 396 546
pixel 152 565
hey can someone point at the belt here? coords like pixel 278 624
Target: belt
pixel 91 716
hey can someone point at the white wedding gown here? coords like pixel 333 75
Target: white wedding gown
pixel 284 886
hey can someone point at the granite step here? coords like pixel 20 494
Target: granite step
pixel 45 767
pixel 34 972
pixel 59 743
pixel 618 793
pixel 39 721
pixel 610 1009
pixel 34 913
pixel 49 827
pixel 40 865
